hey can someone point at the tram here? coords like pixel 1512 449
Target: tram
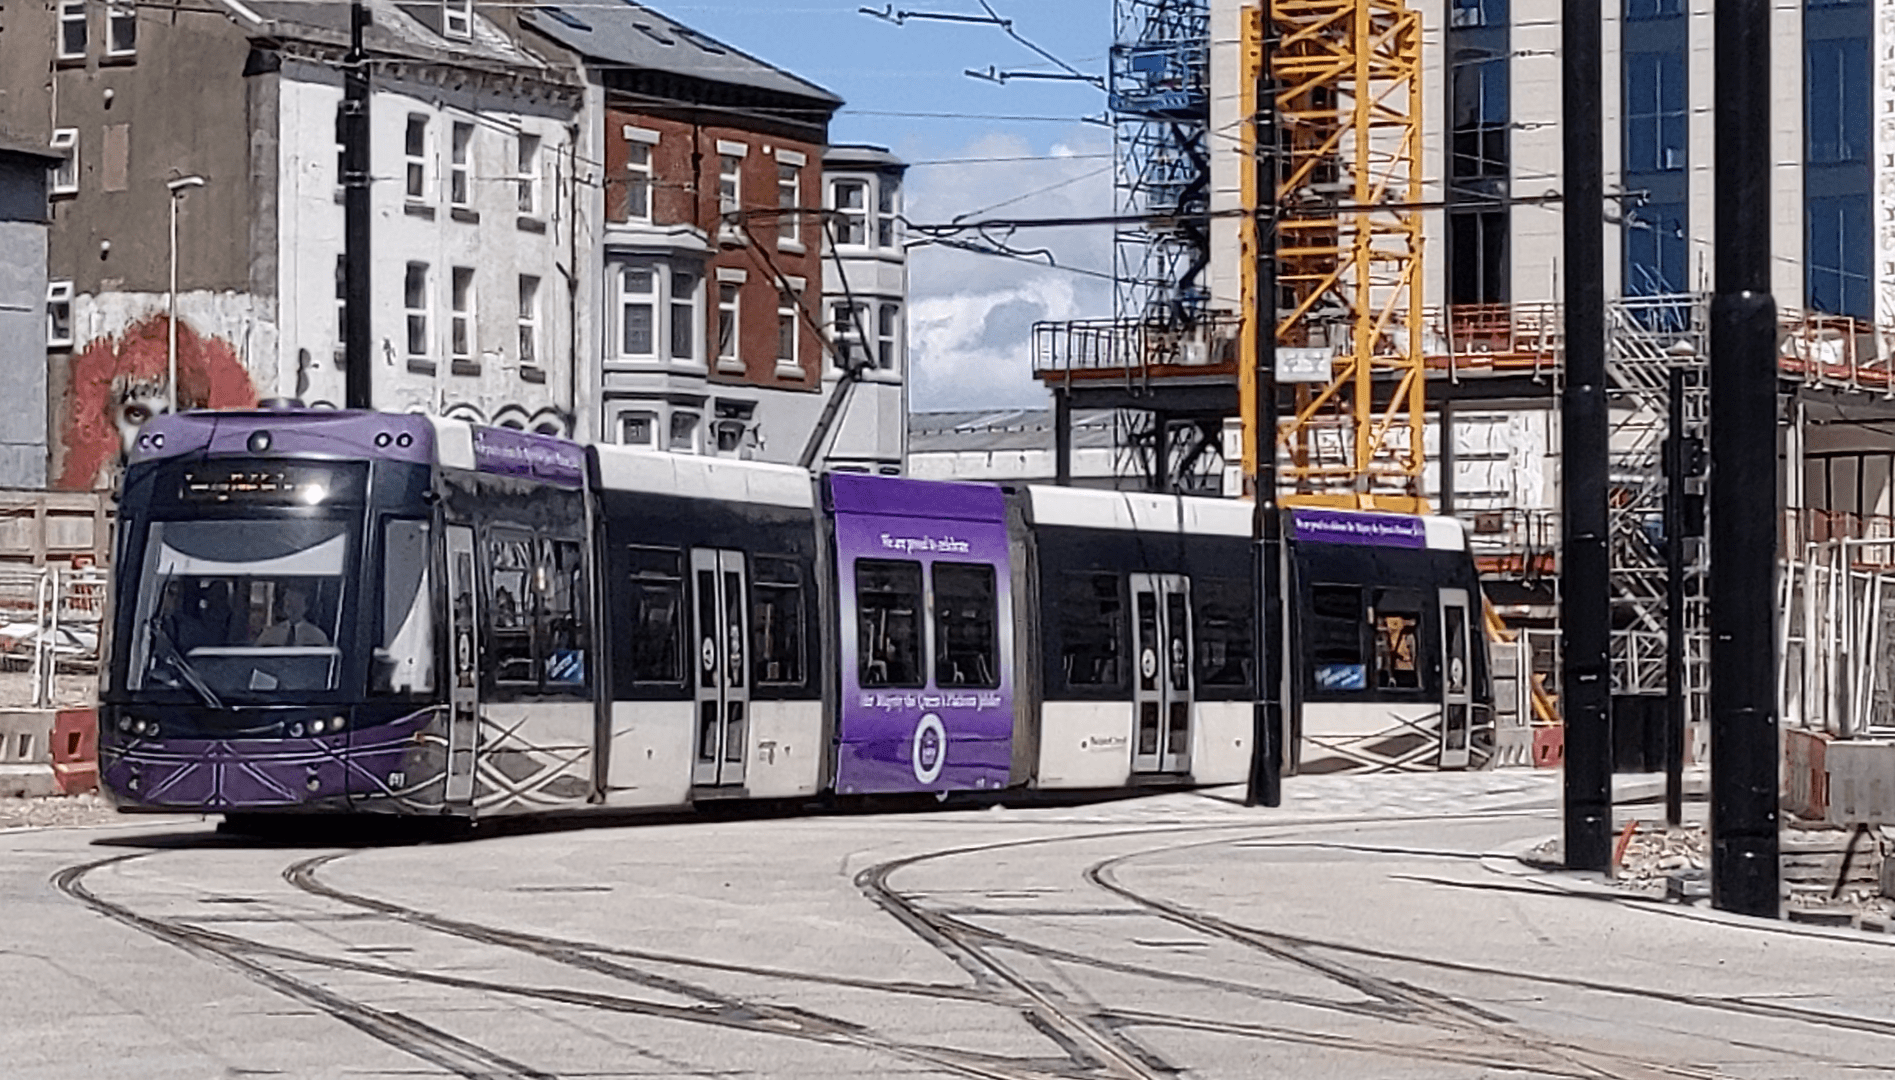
pixel 332 611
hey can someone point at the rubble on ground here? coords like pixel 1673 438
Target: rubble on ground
pixel 86 809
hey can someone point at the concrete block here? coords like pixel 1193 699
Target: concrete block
pixel 26 781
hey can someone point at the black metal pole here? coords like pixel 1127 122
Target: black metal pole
pixel 1447 451
pixel 358 316
pixel 1585 604
pixel 1744 751
pixel 1062 436
pixel 1266 520
pixel 1675 472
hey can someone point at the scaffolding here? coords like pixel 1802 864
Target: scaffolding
pixel 1343 131
pixel 1160 103
pixel 1646 339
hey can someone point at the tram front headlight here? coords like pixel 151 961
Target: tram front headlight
pixel 296 730
pixel 316 726
pixel 124 723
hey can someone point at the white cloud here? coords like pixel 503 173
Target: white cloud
pixel 971 315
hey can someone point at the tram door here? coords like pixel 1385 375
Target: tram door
pixel 1457 677
pixel 1161 610
pixel 463 726
pixel 723 685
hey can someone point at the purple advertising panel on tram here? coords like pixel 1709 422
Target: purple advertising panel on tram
pixel 927 635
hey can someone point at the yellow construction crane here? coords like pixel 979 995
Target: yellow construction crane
pixel 1346 118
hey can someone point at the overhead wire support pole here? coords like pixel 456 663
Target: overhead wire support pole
pixel 357 320
pixel 1743 527
pixel 1258 400
pixel 1585 564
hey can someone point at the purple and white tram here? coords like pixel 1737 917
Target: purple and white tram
pixel 322 611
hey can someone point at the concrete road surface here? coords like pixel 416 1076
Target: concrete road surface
pixel 1372 927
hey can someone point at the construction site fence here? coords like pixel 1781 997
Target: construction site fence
pixel 41 528
pixel 52 621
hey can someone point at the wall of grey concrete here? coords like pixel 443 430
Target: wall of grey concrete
pixel 23 351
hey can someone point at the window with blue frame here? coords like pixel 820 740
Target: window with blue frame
pixel 1469 13
pixel 1837 102
pixel 1657 251
pixel 1652 9
pixel 1656 113
pixel 1839 255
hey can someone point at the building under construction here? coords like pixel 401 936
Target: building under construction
pixel 1401 163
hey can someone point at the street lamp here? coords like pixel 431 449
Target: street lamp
pixel 178 186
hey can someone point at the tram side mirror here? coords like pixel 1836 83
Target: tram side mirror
pixel 382 667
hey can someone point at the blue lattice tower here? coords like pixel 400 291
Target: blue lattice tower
pixel 1160 102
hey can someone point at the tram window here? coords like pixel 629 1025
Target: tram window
pixel 776 620
pixel 1226 654
pixel 888 605
pixel 657 595
pixel 966 638
pixel 404 661
pixel 1091 615
pixel 511 604
pixel 1335 636
pixel 1396 620
pixel 563 624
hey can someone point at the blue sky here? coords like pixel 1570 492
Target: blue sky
pixel 970 316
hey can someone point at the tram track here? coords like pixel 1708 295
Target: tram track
pixel 1093 1039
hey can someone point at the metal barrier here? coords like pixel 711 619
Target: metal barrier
pixel 52 620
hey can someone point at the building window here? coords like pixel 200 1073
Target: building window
pixel 729 183
pixel 888 337
pixel 637 428
pixel 845 330
pixel 638 182
pixel 59 315
pixel 121 28
pixel 786 304
pixel 850 200
pixel 414 290
pixel 1651 9
pixel 457 18
pixel 1655 112
pixel 1837 109
pixel 1481 116
pixel 1477 256
pixel 416 147
pixel 728 294
pixel 529 319
pixel 461 151
pixel 1471 13
pixel 684 432
pixel 789 187
pixel 66 173
pixel 72 29
pixel 529 174
pixel 887 209
pixel 685 325
pixel 1839 257
pixel 639 292
pixel 461 341
pixel 1655 250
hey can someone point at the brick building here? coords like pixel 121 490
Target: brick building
pixel 710 291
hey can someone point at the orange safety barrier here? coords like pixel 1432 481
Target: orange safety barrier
pixel 76 750
pixel 1549 747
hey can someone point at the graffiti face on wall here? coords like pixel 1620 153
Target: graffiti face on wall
pixel 119 383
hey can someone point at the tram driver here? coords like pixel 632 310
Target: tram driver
pixel 294 628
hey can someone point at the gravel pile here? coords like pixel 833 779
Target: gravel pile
pixel 87 809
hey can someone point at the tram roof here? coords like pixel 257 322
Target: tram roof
pixel 654 472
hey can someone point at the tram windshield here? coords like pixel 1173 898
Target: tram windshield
pixel 240 608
